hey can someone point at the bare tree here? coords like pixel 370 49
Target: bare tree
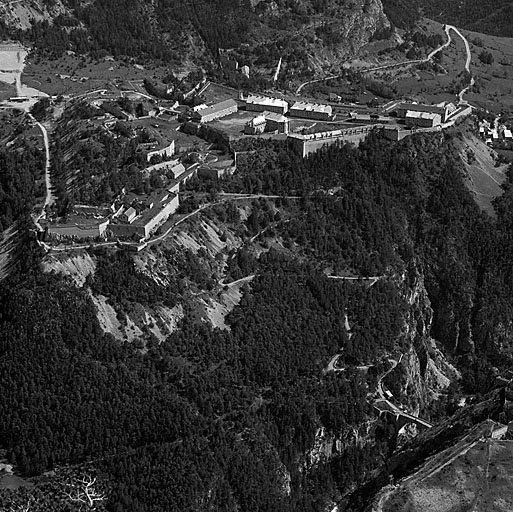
pixel 84 490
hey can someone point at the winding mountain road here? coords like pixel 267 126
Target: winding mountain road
pixel 372 280
pixel 447 29
pixel 50 198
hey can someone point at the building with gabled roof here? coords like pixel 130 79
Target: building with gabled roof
pixel 79 228
pixel 422 119
pixel 256 125
pixel 311 110
pixel 402 108
pixel 216 111
pixel 276 122
pixel 155 211
pixel 264 103
pixel 129 215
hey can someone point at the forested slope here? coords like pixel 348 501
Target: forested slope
pixel 247 418
pixel 190 35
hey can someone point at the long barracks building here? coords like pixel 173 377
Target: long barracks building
pixel 311 111
pixel 263 103
pixel 217 111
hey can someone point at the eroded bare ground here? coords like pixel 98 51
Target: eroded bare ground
pixel 139 323
pixel 473 475
pixel 484 178
pixel 7 248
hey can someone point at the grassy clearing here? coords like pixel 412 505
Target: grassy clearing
pixel 73 74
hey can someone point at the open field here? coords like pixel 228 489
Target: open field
pixel 494 82
pixel 6 91
pixel 215 93
pixel 506 153
pixel 74 74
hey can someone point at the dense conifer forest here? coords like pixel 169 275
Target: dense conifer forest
pixel 19 171
pixel 216 419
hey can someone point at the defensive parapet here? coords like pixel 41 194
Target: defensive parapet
pixel 306 144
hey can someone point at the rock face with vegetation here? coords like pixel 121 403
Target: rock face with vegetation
pixel 308 35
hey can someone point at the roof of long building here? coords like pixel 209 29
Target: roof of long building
pixel 422 115
pixel 160 202
pixel 265 100
pixel 312 107
pixel 417 107
pixel 217 107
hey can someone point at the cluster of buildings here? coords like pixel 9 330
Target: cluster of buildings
pixel 135 217
pixel 130 216
pixel 272 111
pixel 140 218
pixel 494 134
pixel 419 115
pixel 398 119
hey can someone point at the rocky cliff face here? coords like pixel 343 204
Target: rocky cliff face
pixel 321 41
pixel 423 371
pixel 422 374
pixel 23 14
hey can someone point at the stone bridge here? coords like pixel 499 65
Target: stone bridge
pixel 400 418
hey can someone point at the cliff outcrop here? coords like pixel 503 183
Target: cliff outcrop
pixel 327 39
